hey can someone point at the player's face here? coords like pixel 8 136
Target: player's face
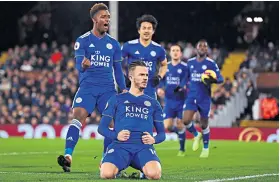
pixel 202 48
pixel 175 53
pixel 102 20
pixel 146 31
pixel 140 77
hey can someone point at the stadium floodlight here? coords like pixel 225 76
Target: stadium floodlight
pixel 249 19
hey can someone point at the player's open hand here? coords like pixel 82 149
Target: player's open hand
pixel 147 138
pixel 124 91
pixel 86 63
pixel 123 135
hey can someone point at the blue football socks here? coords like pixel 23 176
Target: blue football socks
pixel 205 137
pixel 192 129
pixel 72 136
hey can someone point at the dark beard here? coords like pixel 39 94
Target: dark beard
pixel 101 32
pixel 201 55
pixel 141 89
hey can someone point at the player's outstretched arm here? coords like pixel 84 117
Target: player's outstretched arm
pixel 104 130
pixel 118 67
pixel 119 75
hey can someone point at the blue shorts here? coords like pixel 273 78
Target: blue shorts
pixel 90 97
pixel 173 109
pixel 202 106
pixel 124 156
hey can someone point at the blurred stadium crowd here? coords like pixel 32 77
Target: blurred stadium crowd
pixel 38 83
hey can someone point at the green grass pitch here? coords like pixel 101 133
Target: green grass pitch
pixel 35 160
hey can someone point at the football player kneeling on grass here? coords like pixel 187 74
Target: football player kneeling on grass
pixel 135 115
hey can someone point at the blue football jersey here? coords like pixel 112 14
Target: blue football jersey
pixel 152 55
pixel 136 114
pixel 197 89
pixel 101 52
pixel 173 78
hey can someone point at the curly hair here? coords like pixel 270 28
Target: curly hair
pixel 96 8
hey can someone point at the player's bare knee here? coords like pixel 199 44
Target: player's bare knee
pixel 106 174
pixel 204 123
pixel 108 171
pixel 80 114
pixel 157 176
pixel 153 174
pixel 187 121
pixel 152 170
pixel 168 124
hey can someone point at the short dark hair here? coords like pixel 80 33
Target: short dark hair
pixel 146 18
pixel 96 8
pixel 173 45
pixel 133 65
pixel 202 40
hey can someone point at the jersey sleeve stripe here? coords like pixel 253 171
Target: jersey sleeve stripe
pixel 107 115
pixel 158 121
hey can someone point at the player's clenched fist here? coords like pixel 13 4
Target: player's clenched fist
pixel 147 138
pixel 86 63
pixel 123 135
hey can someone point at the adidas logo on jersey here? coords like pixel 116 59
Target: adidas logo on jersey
pixel 91 45
pixel 137 52
pixel 70 138
pixel 126 102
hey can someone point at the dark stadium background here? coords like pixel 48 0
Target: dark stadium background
pixel 177 21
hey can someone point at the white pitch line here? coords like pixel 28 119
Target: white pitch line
pixel 241 177
pixel 32 173
pixel 59 152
